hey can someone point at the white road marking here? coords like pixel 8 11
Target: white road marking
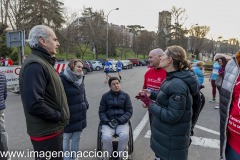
pixel 200 141
pixel 148 134
pixel 207 130
pixel 140 126
pixel 205 142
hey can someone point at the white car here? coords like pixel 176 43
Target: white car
pixel 97 65
pixel 113 67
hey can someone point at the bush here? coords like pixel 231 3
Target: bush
pixel 14 57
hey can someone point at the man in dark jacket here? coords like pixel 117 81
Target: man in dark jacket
pixel 43 96
pixel 3 96
pixel 115 111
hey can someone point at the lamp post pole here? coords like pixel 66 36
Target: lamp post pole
pixel 107 31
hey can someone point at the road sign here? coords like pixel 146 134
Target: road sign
pixel 15 38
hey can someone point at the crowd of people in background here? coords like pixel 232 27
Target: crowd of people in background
pixel 55 106
pixel 6 62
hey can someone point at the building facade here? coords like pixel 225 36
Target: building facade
pixel 164 21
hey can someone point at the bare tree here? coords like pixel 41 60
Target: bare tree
pixel 68 31
pixel 4 5
pixel 197 38
pixel 233 45
pixel 123 41
pixel 135 29
pixel 145 42
pixel 93 23
pixel 178 32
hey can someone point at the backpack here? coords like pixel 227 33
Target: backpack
pixel 197 106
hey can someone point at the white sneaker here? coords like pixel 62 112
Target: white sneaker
pixel 216 107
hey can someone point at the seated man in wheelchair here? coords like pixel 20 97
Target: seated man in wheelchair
pixel 115 112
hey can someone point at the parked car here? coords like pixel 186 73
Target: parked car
pixel 102 60
pixel 142 63
pixel 97 65
pixel 86 67
pixel 91 65
pixel 113 67
pixel 135 61
pixel 147 61
pixel 127 64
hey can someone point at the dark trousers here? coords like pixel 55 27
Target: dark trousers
pixel 150 118
pixel 48 146
pixel 231 154
pixel 213 88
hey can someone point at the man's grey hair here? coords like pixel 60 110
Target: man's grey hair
pixel 158 51
pixel 37 32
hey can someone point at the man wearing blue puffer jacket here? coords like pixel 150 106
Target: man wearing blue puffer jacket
pixel 115 112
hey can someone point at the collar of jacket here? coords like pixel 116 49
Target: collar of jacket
pixel 40 51
pixel 170 75
pixel 115 93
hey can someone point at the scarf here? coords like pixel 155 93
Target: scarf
pixel 72 76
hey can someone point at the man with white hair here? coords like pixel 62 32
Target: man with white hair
pixel 42 93
pixel 154 77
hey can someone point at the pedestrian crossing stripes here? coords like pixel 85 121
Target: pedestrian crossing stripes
pixel 198 141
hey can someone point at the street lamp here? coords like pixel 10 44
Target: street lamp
pixel 107 31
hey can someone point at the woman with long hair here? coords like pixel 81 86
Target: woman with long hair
pixel 172 108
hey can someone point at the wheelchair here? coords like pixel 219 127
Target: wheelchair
pixel 129 147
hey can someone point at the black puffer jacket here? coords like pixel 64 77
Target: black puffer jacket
pixel 115 105
pixel 172 115
pixel 77 103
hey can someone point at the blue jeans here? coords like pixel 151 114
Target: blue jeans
pixel 71 144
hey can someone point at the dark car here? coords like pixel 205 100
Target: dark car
pixel 91 65
pixel 86 67
pixel 147 61
pixel 142 63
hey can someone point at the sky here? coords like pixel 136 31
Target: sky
pixel 222 16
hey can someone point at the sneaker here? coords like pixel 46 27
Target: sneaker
pixel 216 107
pixel 212 100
